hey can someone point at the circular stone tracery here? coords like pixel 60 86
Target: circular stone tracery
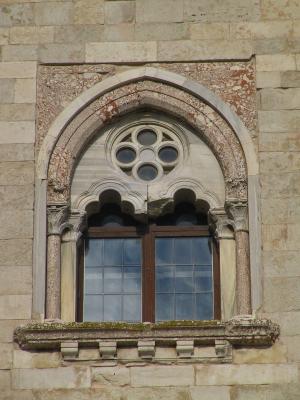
pixel 147 152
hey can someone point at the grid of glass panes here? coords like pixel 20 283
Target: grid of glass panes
pixel 112 280
pixel 183 278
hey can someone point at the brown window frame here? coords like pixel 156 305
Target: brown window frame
pixel 148 233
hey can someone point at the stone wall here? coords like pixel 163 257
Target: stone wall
pixel 139 32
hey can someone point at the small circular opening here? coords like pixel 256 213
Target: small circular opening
pixel 147 137
pixel 168 154
pixel 126 155
pixel 147 172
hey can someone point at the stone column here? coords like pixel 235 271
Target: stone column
pixel 57 215
pixel 225 236
pixel 238 211
pixel 69 257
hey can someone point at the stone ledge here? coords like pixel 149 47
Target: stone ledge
pixel 238 332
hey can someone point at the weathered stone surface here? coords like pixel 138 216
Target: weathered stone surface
pixel 260 30
pixel 158 11
pixel 4 35
pixel 293 347
pixel 7 329
pixel 18 69
pixel 274 142
pixel 272 46
pixel 6 356
pixel 17 132
pixel 210 393
pixel 280 99
pixel 278 121
pixel 79 33
pixel 89 12
pixel 17 112
pixel 118 376
pixel 53 13
pixel 290 79
pixel 281 294
pixel 15 252
pixel 162 376
pixel 31 34
pixel 61 53
pixel 270 79
pixel 16 173
pixel 51 378
pixel 118 12
pixel 5 380
pixel 279 9
pixel 129 52
pixel 25 91
pixel 15 280
pixel 280 185
pixel 276 62
pixel 18 52
pixel 210 31
pixel 275 354
pixel 16 224
pixel 16 14
pixel 257 374
pixel 277 161
pixel 197 50
pixel 25 359
pixel 160 31
pixel 266 392
pixel 15 307
pixel 118 33
pixel 289 322
pixel 229 10
pixel 7 90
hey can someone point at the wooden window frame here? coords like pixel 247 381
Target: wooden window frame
pixel 147 234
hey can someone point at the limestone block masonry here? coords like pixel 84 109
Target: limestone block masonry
pixel 237 63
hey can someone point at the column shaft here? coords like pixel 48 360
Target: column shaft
pixel 243 279
pixel 53 278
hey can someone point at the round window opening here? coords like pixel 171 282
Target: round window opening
pixel 147 172
pixel 126 155
pixel 168 154
pixel 147 137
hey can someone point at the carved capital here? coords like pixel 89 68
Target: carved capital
pixel 238 213
pixel 220 223
pixel 57 215
pixel 77 222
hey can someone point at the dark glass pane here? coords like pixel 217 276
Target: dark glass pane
pixel 184 279
pixel 183 250
pixel 112 220
pixel 186 220
pixel 92 310
pixel 164 279
pixel 113 308
pixel 168 154
pixel 113 252
pixel 203 278
pixel 164 307
pixel 132 252
pixel 132 308
pixel 93 283
pixel 202 251
pixel 112 279
pixel 126 155
pixel 146 137
pixel 184 306
pixel 204 306
pixel 147 172
pixel 93 252
pixel 163 251
pixel 132 280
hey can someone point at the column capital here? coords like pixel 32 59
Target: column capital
pixel 238 213
pixel 77 222
pixel 220 223
pixel 57 215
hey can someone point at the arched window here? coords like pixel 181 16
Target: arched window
pixel 165 269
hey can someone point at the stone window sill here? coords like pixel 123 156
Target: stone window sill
pixel 185 336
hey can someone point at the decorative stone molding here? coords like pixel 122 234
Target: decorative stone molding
pixel 69 350
pixel 108 350
pixel 185 348
pixel 77 222
pixel 109 336
pixel 220 223
pixel 223 348
pixel 146 349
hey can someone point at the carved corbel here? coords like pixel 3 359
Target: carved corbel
pixel 223 348
pixel 108 350
pixel 69 350
pixel 220 224
pixel 146 349
pixel 77 222
pixel 185 348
